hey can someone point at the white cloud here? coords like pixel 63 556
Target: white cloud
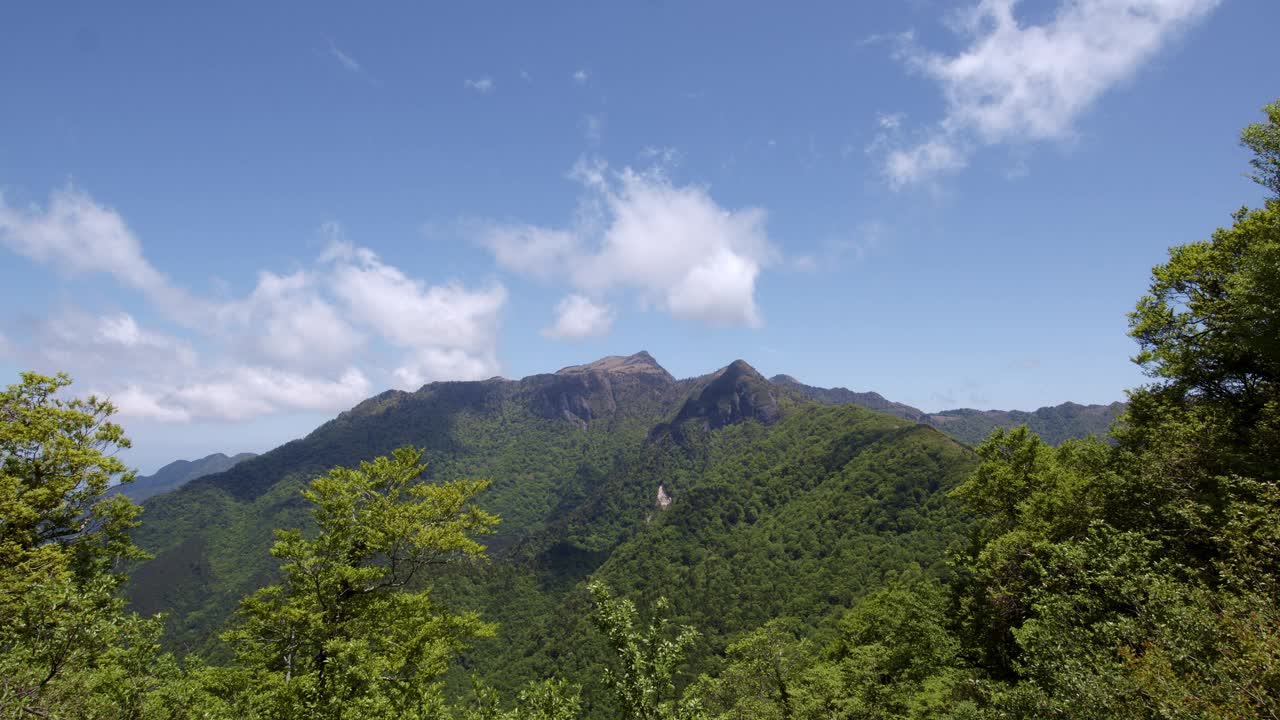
pixel 482 85
pixel 286 320
pixel 578 316
pixel 1021 83
pixel 673 245
pixel 450 330
pixel 155 376
pixel 409 314
pixel 241 393
pixel 104 346
pixel 532 250
pixel 428 364
pixel 244 392
pixel 580 77
pixel 294 342
pixel 923 161
pixel 135 403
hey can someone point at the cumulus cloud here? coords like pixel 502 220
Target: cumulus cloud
pixel 482 85
pixel 1017 82
pixel 411 315
pixel 578 316
pixel 103 345
pixel 241 393
pixel 580 77
pixel 287 320
pixel 673 245
pixel 153 375
pixel 441 363
pixel 295 342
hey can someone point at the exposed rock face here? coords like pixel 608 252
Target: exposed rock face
pixel 664 499
pixel 582 393
pixel 733 394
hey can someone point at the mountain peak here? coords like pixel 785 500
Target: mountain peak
pixel 732 394
pixel 639 363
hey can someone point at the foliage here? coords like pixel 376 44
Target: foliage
pixel 1264 140
pixel 343 636
pixel 646 658
pixel 1138 580
pixel 760 675
pixel 67 649
pixel 553 699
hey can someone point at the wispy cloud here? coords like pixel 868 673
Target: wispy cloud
pixel 346 60
pixel 580 77
pixel 483 84
pixel 593 128
pixel 1018 83
pixel 837 252
pixel 890 121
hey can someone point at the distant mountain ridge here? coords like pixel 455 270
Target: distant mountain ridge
pixel 1054 424
pixel 176 474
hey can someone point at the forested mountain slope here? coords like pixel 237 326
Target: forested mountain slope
pixel 718 491
pixel 738 497
pixel 795 519
pixel 546 441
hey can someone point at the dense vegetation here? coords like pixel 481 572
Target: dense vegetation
pixel 713 548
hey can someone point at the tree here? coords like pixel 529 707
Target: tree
pixel 647 658
pixel 347 634
pixel 1138 579
pixel 1264 140
pixel 760 675
pixel 553 699
pixel 67 648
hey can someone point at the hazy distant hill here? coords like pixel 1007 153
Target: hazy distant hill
pixel 1053 424
pixel 176 474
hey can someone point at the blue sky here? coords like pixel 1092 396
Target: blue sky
pixel 238 220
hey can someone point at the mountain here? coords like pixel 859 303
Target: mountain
pixel 1054 424
pixel 739 498
pixel 177 474
pixel 547 441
